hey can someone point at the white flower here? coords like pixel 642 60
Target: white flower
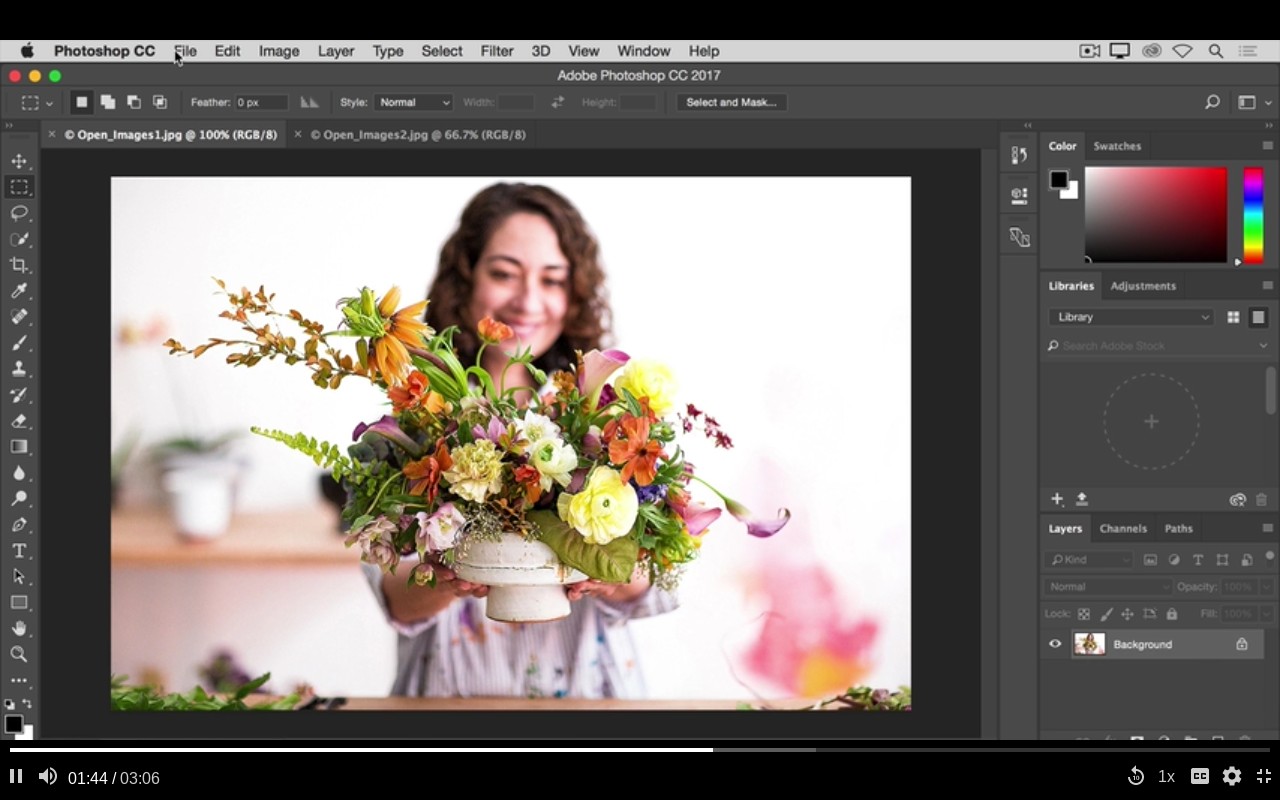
pixel 554 460
pixel 536 427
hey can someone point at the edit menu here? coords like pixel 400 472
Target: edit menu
pixel 1159 446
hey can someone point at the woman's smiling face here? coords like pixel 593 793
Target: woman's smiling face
pixel 522 279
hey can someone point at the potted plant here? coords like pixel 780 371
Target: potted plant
pixel 200 476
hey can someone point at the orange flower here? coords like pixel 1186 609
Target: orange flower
pixel 415 393
pixel 403 329
pixel 409 394
pixel 492 331
pixel 630 448
pixel 424 474
pixel 435 403
pixel 529 477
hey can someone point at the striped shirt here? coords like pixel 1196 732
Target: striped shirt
pixel 462 653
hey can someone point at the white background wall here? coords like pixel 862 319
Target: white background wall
pixel 783 304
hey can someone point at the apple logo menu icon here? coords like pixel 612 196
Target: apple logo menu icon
pixel 28 51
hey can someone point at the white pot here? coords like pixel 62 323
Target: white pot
pixel 525 578
pixel 201 497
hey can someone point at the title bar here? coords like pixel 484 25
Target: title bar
pixel 317 51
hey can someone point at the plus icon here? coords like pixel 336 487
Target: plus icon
pixel 1151 422
pixel 1057 499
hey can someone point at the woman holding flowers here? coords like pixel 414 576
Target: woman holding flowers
pixel 521 272
pixel 509 426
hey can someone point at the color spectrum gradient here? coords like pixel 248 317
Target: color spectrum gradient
pixel 1156 214
pixel 1252 215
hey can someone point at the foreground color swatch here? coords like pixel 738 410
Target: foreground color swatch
pixel 1156 214
pixel 1253 215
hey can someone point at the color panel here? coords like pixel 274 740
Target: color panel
pixel 1156 214
pixel 1252 215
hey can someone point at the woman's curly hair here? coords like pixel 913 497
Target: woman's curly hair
pixel 587 319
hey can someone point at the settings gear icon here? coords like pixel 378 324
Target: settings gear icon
pixel 1231 776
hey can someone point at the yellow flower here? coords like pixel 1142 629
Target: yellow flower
pixel 605 509
pixel 645 378
pixel 476 472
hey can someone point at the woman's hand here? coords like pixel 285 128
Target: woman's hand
pixel 591 588
pixel 448 581
pixel 617 592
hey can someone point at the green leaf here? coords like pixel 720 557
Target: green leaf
pixel 612 563
pixel 632 404
pixel 248 688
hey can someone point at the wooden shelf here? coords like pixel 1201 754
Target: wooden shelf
pixel 306 537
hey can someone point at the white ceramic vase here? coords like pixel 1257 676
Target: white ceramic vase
pixel 525 578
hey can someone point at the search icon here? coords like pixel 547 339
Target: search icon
pixel 1212 101
pixel 1053 345
pixel 1215 50
pixel 17 652
pixel 1057 559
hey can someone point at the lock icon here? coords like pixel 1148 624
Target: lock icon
pixel 1242 643
pixel 1172 615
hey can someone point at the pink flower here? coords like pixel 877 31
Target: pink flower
pixel 698 517
pixel 596 368
pixel 376 544
pixel 440 530
pixel 423 574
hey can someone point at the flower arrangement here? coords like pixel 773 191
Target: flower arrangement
pixel 589 466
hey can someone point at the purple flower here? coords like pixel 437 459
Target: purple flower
pixel 762 528
pixel 591 444
pixel 389 429
pixel 494 433
pixel 577 479
pixel 650 493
